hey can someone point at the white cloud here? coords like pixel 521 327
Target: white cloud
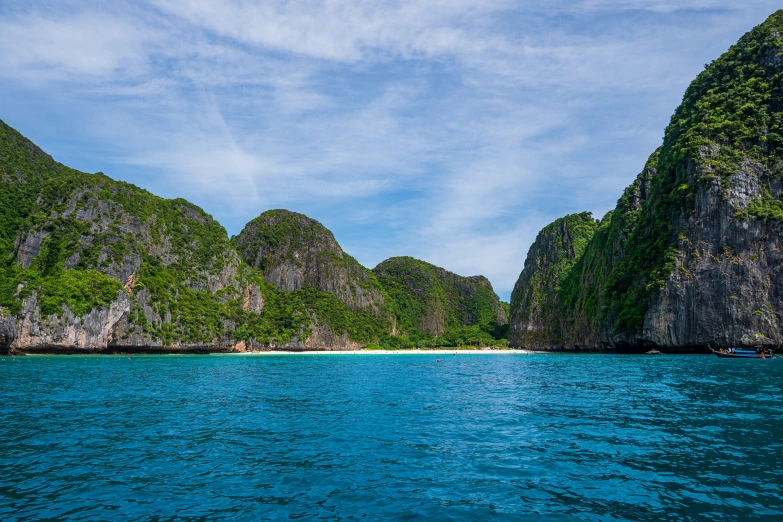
pixel 340 30
pixel 41 48
pixel 658 6
pixel 450 130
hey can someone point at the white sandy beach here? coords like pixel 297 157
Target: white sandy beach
pixel 486 351
pixel 479 351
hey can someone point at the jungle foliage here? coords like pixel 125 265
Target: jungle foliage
pixel 435 307
pixel 87 234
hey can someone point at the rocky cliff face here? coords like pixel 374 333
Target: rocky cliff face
pixel 692 254
pixel 535 304
pixel 726 287
pixel 98 263
pixel 91 264
pixel 432 300
pixel 294 251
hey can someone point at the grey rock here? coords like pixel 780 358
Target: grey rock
pixel 67 332
pixel 30 248
pixel 727 288
pixel 7 331
pixel 294 251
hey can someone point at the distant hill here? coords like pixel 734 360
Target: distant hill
pixel 432 301
pixel 293 251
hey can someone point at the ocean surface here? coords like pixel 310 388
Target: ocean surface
pixel 403 437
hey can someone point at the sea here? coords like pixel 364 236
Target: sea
pixel 391 437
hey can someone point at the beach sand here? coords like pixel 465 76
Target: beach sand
pixel 385 352
pixel 478 351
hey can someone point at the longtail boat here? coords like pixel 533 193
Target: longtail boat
pixel 740 353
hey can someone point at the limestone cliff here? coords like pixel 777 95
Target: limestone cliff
pixel 433 300
pixel 692 254
pixel 535 302
pixel 294 251
pixel 88 263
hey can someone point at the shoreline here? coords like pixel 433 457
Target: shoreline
pixel 314 352
pixel 384 352
pixel 433 351
pixel 280 352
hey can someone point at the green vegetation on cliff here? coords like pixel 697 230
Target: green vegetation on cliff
pixel 543 285
pixel 77 231
pixel 29 178
pixel 563 241
pixel 765 207
pixel 74 239
pixel 727 131
pixel 435 307
pixel 294 251
pixel 278 233
pixel 22 167
pixel 730 114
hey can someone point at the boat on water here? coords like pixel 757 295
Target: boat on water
pixel 742 353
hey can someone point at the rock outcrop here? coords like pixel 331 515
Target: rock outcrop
pixel 433 300
pixel 294 251
pixel 89 264
pixel 7 331
pixel 67 331
pixel 693 253
pixel 535 302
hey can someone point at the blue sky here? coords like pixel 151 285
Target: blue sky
pixel 448 130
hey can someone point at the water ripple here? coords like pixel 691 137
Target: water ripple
pixel 549 437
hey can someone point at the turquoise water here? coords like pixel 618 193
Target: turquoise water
pixel 500 437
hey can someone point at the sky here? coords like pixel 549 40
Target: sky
pixel 447 130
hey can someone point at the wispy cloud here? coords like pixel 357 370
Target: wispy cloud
pixel 344 31
pixel 450 130
pixel 42 48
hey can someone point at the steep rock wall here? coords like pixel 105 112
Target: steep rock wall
pixel 535 319
pixel 691 255
pixel 432 300
pixel 295 251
